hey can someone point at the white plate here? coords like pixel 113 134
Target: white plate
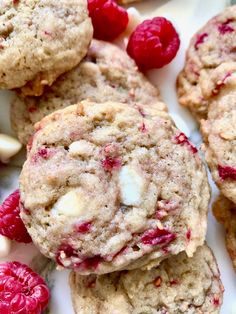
pixel 188 16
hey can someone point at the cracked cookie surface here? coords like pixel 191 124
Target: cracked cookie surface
pixel 39 40
pixel 106 74
pixel 119 187
pixel 212 45
pixel 179 285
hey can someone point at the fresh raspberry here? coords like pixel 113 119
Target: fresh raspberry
pixel 22 291
pixel 157 236
pixel 11 224
pixel 153 44
pixel 109 20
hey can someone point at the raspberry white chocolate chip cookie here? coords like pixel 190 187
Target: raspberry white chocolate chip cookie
pixel 179 285
pixel 40 40
pixel 219 129
pixel 108 186
pixel 225 213
pixel 107 73
pixel 209 47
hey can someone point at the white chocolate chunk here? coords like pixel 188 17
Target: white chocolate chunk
pixel 72 204
pixel 131 186
pixel 80 148
pixel 5 246
pixel 9 147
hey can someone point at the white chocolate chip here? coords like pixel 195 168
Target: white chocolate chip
pixel 131 186
pixel 5 246
pixel 72 204
pixel 80 148
pixel 9 147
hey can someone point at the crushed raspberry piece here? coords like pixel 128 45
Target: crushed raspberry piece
pixel 32 109
pixel 157 236
pixel 157 282
pixel 141 112
pixel 11 224
pixel 153 44
pixel 216 301
pixel 188 234
pixel 220 84
pixel 66 250
pixel 225 27
pixel 43 153
pixel 111 163
pixel 90 263
pixel 182 139
pixel 143 128
pixel 109 20
pixel 200 40
pixel 83 227
pixel 21 290
pixel 227 172
pixel 174 282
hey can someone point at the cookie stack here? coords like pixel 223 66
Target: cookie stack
pixel 207 85
pixel 111 188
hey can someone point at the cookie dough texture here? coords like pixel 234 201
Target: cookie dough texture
pixel 179 285
pixel 219 130
pixel 107 187
pixel 40 40
pixel 107 73
pixel 225 213
pixel 210 46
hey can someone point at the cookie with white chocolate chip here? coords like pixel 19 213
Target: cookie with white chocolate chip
pixel 40 40
pixel 107 73
pixel 107 186
pixel 179 285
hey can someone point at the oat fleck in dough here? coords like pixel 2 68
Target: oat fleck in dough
pixel 40 40
pixel 107 73
pixel 219 130
pixel 179 285
pixel 210 46
pixel 107 186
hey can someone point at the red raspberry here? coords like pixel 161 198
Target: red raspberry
pixel 22 291
pixel 109 20
pixel 11 224
pixel 154 43
pixel 157 236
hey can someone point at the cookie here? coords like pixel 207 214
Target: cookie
pixel 40 40
pixel 107 73
pixel 210 46
pixel 107 186
pixel 179 285
pixel 225 213
pixel 219 130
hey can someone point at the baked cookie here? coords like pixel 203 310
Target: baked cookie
pixel 179 285
pixel 107 186
pixel 107 73
pixel 219 130
pixel 210 46
pixel 225 213
pixel 40 40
